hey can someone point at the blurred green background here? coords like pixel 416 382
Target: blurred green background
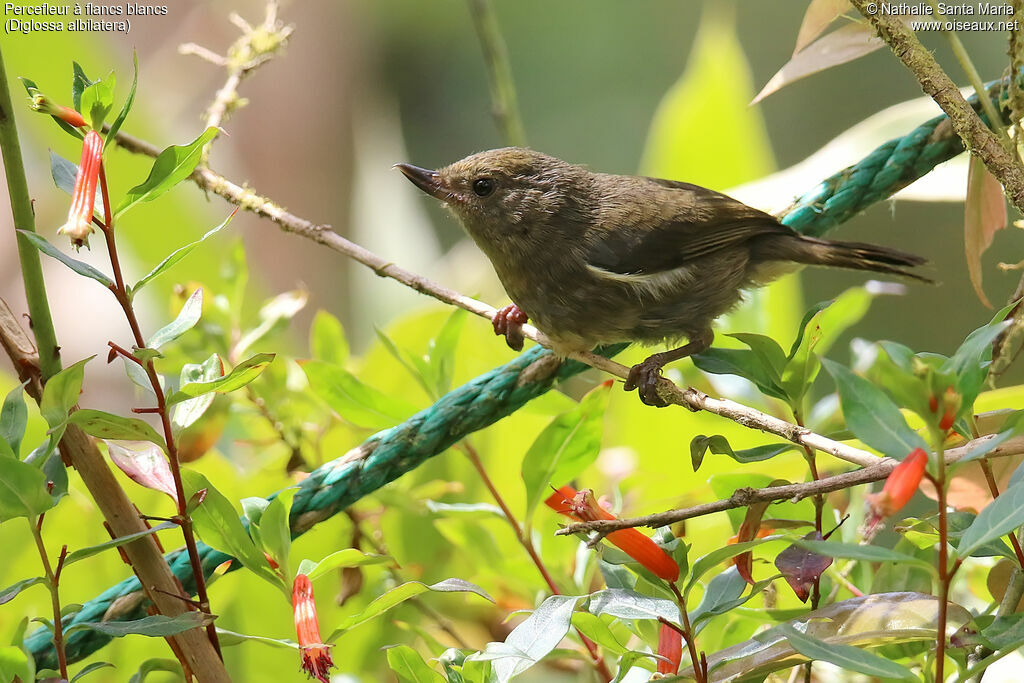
pixel 365 84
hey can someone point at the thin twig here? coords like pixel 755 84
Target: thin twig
pixel 977 137
pixel 504 103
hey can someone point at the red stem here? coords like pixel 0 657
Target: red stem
pixel 183 519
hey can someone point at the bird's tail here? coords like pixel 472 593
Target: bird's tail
pixel 854 255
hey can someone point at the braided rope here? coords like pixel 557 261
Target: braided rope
pixel 500 392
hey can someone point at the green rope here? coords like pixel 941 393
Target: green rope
pixel 496 394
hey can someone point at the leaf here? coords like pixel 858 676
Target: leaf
pixel 106 425
pixel 819 15
pixel 843 45
pixel 90 668
pixel 22 490
pixel 98 100
pixel 865 553
pixel 970 362
pixel 327 341
pixel 400 594
pixel 187 412
pixel 156 664
pixel 15 664
pixel 173 165
pixel 627 604
pixel 352 400
pixel 177 256
pixel 722 594
pixel 127 106
pixel 273 315
pixel 12 591
pixel 217 523
pixel 83 553
pixel 61 392
pixel 742 363
pixel 984 215
pixel 187 318
pixel 441 350
pixel 719 445
pixel 80 267
pixel 802 568
pixel 144 463
pixel 79 82
pixel 532 640
pixel 232 638
pixel 409 666
pixel 416 366
pixel 240 375
pixel 275 534
pixel 156 626
pixel 13 419
pixel 871 415
pixel 1000 517
pixel 568 445
pixel 712 559
pixel 845 656
pixel 348 557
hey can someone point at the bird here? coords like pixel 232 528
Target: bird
pixel 597 258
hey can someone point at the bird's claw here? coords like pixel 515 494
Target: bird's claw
pixel 508 322
pixel 645 377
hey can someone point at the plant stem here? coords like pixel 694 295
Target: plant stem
pixel 183 519
pixel 819 506
pixel 945 574
pixel 993 488
pixel 24 219
pixel 53 584
pixel 504 104
pixel 691 645
pixel 525 541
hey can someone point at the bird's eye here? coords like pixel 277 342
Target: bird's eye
pixel 483 186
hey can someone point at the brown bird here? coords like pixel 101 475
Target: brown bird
pixel 594 258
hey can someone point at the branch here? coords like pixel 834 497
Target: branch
pixel 747 496
pixel 978 137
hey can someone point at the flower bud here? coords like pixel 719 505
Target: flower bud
pixel 79 224
pixel 900 485
pixel 670 646
pixel 42 104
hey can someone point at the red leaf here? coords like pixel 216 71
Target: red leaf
pixel 984 215
pixel 801 568
pixel 144 463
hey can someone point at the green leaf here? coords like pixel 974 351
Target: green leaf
pixel 274 315
pixel 98 100
pixel 742 363
pixel 61 392
pixel 971 360
pixel 441 350
pixel 127 106
pixel 13 418
pixel 845 657
pixel 348 557
pixel 80 267
pixel 627 604
pixel 865 553
pixel 719 445
pixel 240 375
pixel 106 425
pixel 22 490
pixel 177 256
pixel 229 638
pixel 409 666
pixel 155 664
pixel 79 82
pixel 354 401
pixel 187 318
pixel 155 626
pixel 83 553
pixel 12 591
pixel 1013 426
pixel 275 534
pixel 598 630
pixel 15 663
pixel 722 594
pixel 187 412
pixel 568 445
pixel 416 366
pixel 766 349
pixel 532 640
pixel 218 524
pixel 704 564
pixel 327 341
pixel 90 668
pixel 998 518
pixel 172 166
pixel 872 416
pixel 400 594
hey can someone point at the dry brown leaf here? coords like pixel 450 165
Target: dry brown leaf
pixel 819 14
pixel 984 215
pixel 843 45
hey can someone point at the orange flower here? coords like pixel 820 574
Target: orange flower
pixel 316 656
pixel 582 507
pixel 79 223
pixel 900 485
pixel 670 646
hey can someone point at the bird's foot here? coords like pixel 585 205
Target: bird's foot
pixel 645 377
pixel 508 322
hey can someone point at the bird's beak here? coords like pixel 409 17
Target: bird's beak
pixel 425 179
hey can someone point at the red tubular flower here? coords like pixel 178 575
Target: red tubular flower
pixel 79 224
pixel 316 656
pixel 670 646
pixel 42 104
pixel 900 485
pixel 582 507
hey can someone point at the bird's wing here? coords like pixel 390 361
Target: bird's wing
pixel 720 222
